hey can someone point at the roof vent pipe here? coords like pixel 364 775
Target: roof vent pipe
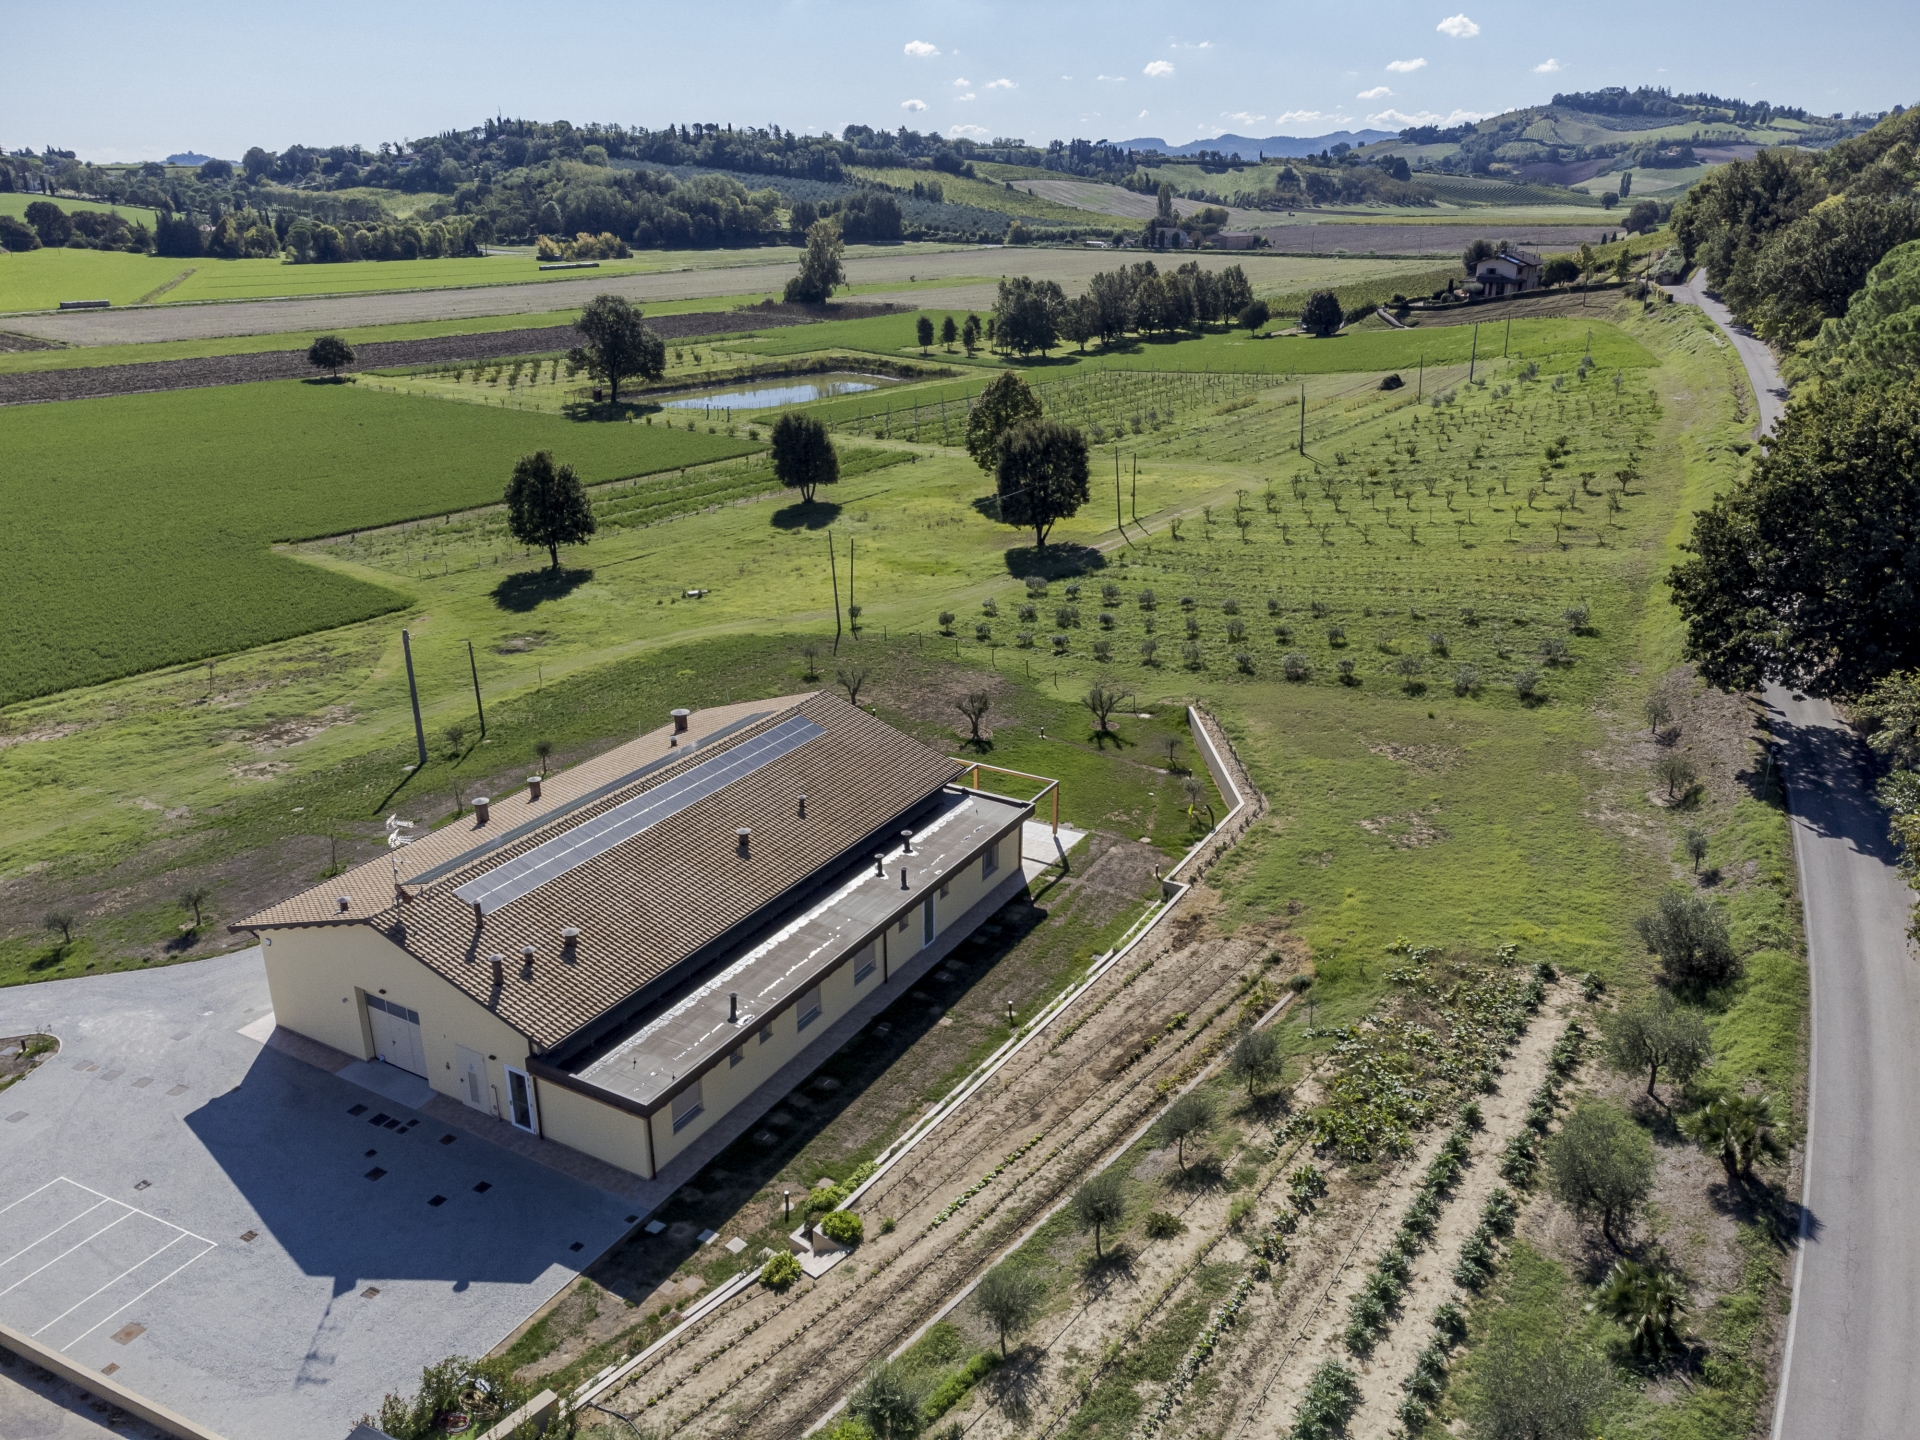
pixel 499 970
pixel 903 877
pixel 743 835
pixel 533 787
pixel 680 721
pixel 879 863
pixel 481 808
pixel 803 807
pixel 906 842
pixel 345 903
pixel 733 1007
pixel 526 954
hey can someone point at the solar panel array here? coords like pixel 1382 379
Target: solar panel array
pixel 526 873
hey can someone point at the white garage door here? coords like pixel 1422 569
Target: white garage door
pixel 396 1035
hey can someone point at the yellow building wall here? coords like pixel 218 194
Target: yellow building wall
pixel 313 975
pixel 602 1131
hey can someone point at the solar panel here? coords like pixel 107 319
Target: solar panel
pixel 525 873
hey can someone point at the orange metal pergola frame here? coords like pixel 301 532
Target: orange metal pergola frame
pixel 1052 787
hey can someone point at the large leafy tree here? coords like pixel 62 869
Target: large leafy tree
pixel 820 267
pixel 1658 1034
pixel 329 352
pixel 1005 403
pixel 1806 273
pixel 616 344
pixel 803 454
pixel 546 505
pixel 1600 1166
pixel 1322 315
pixel 1808 570
pixel 1027 314
pixel 1042 476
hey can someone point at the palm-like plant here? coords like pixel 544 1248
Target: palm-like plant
pixel 1648 1302
pixel 1738 1129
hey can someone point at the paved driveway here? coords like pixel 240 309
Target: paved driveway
pixel 258 1244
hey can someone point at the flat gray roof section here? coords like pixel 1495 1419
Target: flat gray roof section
pixel 657 1056
pixel 526 873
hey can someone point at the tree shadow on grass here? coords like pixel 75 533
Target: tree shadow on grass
pixel 1057 560
pixel 1017 1383
pixel 1203 1175
pixel 806 515
pixel 49 958
pixel 604 412
pixel 1099 1273
pixel 529 589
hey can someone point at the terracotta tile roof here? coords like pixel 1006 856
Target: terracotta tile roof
pixel 654 899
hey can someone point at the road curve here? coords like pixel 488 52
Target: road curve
pixel 1848 1369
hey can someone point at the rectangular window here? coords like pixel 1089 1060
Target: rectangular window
pixel 863 967
pixel 686 1105
pixel 520 1106
pixel 807 1008
pixel 926 922
pixel 739 1054
pixel 990 860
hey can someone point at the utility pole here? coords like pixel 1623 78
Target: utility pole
pixel 1421 389
pixel 1507 337
pixel 834 567
pixel 413 690
pixel 474 667
pixel 1474 354
pixel 850 620
pixel 1303 419
pixel 1134 501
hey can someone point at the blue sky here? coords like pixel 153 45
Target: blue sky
pixel 117 80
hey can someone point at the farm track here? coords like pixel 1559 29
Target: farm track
pixel 1070 1096
pixel 47 386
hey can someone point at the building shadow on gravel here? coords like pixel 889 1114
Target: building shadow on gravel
pixel 529 589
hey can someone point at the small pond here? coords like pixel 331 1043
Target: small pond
pixel 770 396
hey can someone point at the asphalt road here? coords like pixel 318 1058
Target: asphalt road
pixel 1848 1369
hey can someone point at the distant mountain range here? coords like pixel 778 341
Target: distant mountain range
pixel 1250 147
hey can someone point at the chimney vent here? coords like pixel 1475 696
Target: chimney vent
pixel 499 969
pixel 481 806
pixel 733 1007
pixel 345 903
pixel 803 807
pixel 903 877
pixel 879 863
pixel 479 915
pixel 680 721
pixel 533 787
pixel 906 842
pixel 526 954
pixel 744 836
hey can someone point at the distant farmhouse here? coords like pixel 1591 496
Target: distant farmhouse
pixel 1508 271
pixel 618 957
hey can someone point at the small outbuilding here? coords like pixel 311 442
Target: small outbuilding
pixel 617 957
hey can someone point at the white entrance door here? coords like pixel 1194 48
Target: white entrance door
pixel 521 1107
pixel 470 1068
pixel 396 1035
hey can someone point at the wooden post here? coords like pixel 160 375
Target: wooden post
pixel 475 670
pixel 413 692
pixel 834 567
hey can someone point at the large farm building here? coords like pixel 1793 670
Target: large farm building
pixel 619 957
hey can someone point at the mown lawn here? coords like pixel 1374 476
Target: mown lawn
pixel 139 526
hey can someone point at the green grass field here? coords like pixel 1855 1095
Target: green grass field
pixel 141 525
pixel 15 203
pixel 987 195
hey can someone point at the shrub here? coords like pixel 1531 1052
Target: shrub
pixel 843 1227
pixel 1689 934
pixel 1466 680
pixel 1527 684
pixel 781 1271
pixel 1296 667
pixel 1676 772
pixel 1332 1397
pixel 1347 668
pixel 1159 1225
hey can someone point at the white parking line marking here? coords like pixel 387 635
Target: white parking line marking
pixel 53 1232
pixel 113 1282
pixel 57 1180
pixel 211 1247
pixel 64 1253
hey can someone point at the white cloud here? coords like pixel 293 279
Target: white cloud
pixel 1547 67
pixel 913 104
pixel 1158 67
pixel 920 49
pixel 1405 67
pixel 1302 117
pixel 961 84
pixel 968 96
pixel 1245 119
pixel 1400 119
pixel 1001 84
pixel 974 131
pixel 1141 116
pixel 1458 26
pixel 1116 79
pixel 1375 93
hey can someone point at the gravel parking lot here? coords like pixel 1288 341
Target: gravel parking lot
pixel 250 1240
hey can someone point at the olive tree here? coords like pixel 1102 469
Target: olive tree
pixel 974 705
pixel 1689 934
pixel 1189 1118
pixel 1256 1059
pixel 1528 1387
pixel 1659 1034
pixel 1008 1299
pixel 1100 1204
pixel 1600 1166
